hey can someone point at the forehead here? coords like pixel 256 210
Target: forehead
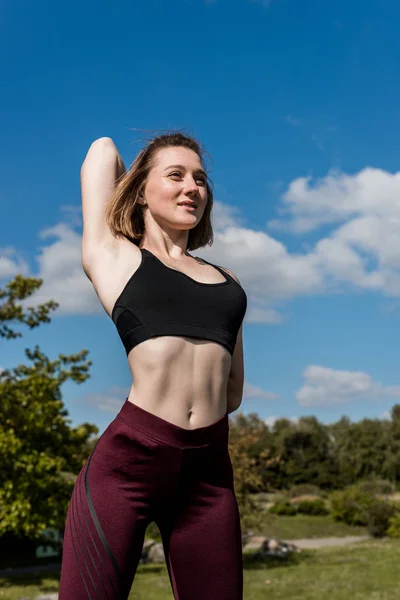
pixel 177 156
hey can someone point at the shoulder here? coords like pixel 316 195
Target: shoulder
pixel 231 274
pixel 224 268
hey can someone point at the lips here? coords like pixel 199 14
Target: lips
pixel 188 204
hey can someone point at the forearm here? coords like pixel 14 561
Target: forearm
pixel 100 172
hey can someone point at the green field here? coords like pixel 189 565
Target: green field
pixel 303 526
pixel 366 571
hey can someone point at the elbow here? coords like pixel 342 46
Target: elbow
pixel 101 149
pixel 234 396
pixel 233 404
pixel 102 142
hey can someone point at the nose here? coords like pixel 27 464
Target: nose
pixel 191 187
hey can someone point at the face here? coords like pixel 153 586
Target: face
pixel 177 177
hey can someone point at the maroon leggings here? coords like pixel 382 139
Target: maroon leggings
pixel 146 469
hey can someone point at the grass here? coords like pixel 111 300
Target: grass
pixel 304 526
pixel 366 571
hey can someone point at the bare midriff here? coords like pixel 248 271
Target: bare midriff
pixel 181 380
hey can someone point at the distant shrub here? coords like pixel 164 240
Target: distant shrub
pixel 355 507
pixel 305 489
pixel 394 525
pixel 379 487
pixel 283 508
pixel 312 507
pixel 379 515
pixel 350 505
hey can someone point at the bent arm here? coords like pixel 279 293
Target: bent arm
pixel 236 375
pixel 100 171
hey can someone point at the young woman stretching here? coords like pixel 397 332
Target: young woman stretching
pixel 164 458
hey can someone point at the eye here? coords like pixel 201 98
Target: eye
pixel 176 174
pixel 201 180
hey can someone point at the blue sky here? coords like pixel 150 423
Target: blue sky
pixel 297 103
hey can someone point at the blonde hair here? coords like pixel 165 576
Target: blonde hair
pixel 124 213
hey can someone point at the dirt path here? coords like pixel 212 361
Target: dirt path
pixel 325 542
pixel 256 541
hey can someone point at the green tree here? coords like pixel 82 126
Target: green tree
pixel 306 453
pixel 247 453
pixel 361 448
pixel 40 453
pixel 391 464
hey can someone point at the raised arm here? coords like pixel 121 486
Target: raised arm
pixel 100 171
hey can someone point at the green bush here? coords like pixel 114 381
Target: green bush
pixel 283 508
pixel 312 507
pixel 376 486
pixel 394 525
pixel 355 507
pixel 351 505
pixel 305 489
pixel 379 515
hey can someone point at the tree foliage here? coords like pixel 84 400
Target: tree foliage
pixel 249 454
pixel 40 452
pixel 290 454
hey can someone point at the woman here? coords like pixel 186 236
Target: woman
pixel 164 458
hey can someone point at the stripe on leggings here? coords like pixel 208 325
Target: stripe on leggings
pixel 80 512
pixel 97 522
pixel 71 522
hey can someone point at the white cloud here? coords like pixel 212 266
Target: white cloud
pixel 11 264
pixel 363 211
pixel 63 278
pixel 326 387
pixel 257 314
pixel 361 252
pixel 339 197
pixel 268 272
pixel 225 215
pixel 270 421
pixel 110 400
pixel 251 391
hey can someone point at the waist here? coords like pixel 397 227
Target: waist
pixel 171 433
pixel 185 410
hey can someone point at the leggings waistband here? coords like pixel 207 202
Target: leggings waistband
pixel 172 434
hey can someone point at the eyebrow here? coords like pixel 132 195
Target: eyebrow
pixel 184 169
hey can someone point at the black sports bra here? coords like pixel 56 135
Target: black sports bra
pixel 159 300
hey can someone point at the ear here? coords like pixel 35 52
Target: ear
pixel 140 198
